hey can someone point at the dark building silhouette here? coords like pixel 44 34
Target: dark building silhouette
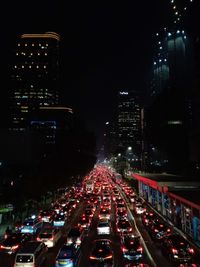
pixel 172 107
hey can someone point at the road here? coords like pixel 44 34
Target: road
pixel 152 250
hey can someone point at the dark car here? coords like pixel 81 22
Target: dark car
pixel 46 215
pixel 178 249
pixel 102 253
pixel 68 255
pixel 75 236
pixel 59 220
pixel 89 212
pixel 84 222
pixel 131 247
pixel 124 226
pixel 148 217
pixel 158 230
pixel 14 242
pixel 121 214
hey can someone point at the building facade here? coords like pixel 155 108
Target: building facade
pixel 35 76
pixel 129 123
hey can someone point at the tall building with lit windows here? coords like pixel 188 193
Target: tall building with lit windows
pixel 35 76
pixel 129 122
pixel 172 106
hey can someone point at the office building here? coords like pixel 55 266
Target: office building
pixel 35 76
pixel 129 123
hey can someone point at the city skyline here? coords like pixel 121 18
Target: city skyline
pixel 100 50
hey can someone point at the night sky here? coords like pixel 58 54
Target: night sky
pixel 105 47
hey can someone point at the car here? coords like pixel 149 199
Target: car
pixel 131 247
pixel 120 206
pixel 84 222
pixel 178 249
pixel 46 215
pixel 14 242
pixel 121 214
pixel 49 235
pixel 75 236
pixel 148 217
pixel 68 256
pixel 123 226
pixel 139 208
pixel 102 253
pixel 59 220
pixel 131 197
pixel 89 212
pixel 158 230
pixel 32 254
pixel 103 227
pixel 91 206
pixel 31 225
pixel 104 213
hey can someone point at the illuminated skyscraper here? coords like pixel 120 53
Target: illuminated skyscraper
pixel 129 122
pixel 35 76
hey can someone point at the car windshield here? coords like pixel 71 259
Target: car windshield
pixel 74 232
pixel 103 224
pixel 45 235
pixel 131 242
pixel 65 253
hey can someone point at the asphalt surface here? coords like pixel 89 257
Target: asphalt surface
pixel 152 250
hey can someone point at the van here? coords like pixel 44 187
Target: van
pixel 31 255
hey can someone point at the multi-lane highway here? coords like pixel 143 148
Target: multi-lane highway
pixel 88 201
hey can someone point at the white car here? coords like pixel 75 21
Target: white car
pixel 50 236
pixel 103 227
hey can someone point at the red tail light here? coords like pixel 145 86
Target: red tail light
pixel 124 249
pixel 108 257
pixel 191 250
pixel 174 251
pixel 140 249
pixel 156 230
pixel 92 258
pixel 15 247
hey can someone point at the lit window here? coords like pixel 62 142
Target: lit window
pixel 45 67
pixel 22 66
pixel 25 44
pixel 17 54
pixel 37 67
pixel 15 66
pixel 38 54
pixel 33 44
pixel 18 44
pixel 30 67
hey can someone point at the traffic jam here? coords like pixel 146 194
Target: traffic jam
pixel 102 222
